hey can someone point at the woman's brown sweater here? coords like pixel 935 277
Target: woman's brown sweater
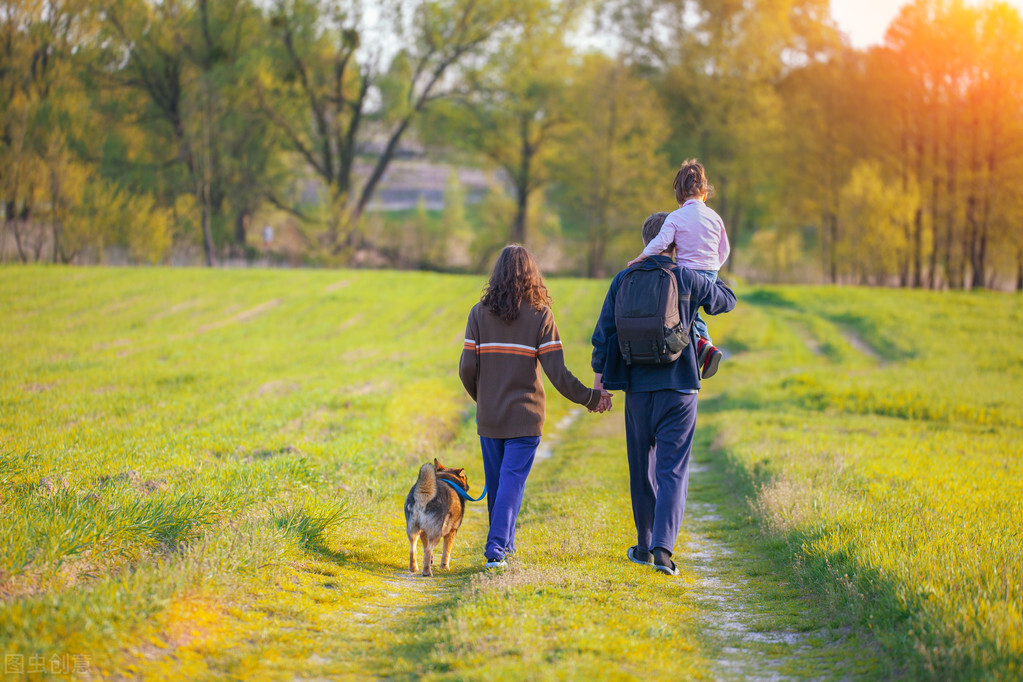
pixel 500 368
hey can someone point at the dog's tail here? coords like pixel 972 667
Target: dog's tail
pixel 426 485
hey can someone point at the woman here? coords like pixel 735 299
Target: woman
pixel 510 335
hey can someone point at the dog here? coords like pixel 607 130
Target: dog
pixel 433 510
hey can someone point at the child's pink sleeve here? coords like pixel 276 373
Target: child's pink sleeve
pixel 664 239
pixel 723 248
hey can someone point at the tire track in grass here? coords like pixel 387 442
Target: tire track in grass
pixel 742 641
pixel 403 602
pixel 730 605
pixel 757 624
pixel 394 604
pixel 753 626
pixel 860 344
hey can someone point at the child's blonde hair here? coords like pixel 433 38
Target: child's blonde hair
pixel 691 181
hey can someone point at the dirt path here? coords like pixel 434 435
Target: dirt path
pixel 753 625
pixel 757 625
pixel 736 616
pixel 857 342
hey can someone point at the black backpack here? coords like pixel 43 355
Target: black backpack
pixel 647 317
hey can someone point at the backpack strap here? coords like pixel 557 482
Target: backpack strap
pixel 670 271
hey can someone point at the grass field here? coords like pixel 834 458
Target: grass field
pixel 202 472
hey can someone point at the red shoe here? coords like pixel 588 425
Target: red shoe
pixel 708 357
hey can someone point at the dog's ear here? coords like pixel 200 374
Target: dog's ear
pixel 459 472
pixel 436 463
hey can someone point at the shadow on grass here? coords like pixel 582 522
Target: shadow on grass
pixel 769 298
pixel 865 335
pixel 412 656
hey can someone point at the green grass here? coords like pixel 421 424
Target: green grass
pixel 892 479
pixel 202 473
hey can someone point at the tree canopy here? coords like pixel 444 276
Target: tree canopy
pixel 169 131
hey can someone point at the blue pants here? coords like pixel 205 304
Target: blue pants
pixel 659 477
pixel 698 324
pixel 506 463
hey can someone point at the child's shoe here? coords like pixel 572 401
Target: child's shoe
pixel 708 357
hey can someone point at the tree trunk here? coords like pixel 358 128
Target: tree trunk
pixel 523 182
pixel 978 265
pixel 904 268
pixel 598 245
pixel 932 275
pixel 970 238
pixel 38 246
pixel 598 240
pixel 207 236
pixel 952 268
pixel 15 225
pixel 55 224
pixel 735 224
pixel 518 231
pixel 918 247
pixel 241 228
pixel 8 218
pixel 57 229
pixel 1019 269
pixel 832 223
pixel 207 172
pixel 904 258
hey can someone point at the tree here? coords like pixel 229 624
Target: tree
pixel 44 120
pixel 610 172
pixel 722 66
pixel 874 211
pixel 190 60
pixel 963 65
pixel 318 85
pixel 516 109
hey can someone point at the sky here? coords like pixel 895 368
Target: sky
pixel 865 21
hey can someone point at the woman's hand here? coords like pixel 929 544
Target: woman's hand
pixel 605 398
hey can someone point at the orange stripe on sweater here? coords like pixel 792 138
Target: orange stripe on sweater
pixel 508 351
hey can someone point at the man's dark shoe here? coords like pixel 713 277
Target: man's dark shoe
pixel 663 562
pixel 638 557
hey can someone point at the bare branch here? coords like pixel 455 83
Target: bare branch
pixel 289 132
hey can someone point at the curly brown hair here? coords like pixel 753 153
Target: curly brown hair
pixel 515 278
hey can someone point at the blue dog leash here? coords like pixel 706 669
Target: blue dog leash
pixel 464 495
pixel 458 489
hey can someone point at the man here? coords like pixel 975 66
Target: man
pixel 660 408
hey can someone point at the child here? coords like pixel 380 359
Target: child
pixel 700 245
pixel 509 337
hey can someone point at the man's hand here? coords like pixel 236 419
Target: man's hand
pixel 605 398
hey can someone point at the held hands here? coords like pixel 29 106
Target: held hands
pixel 605 398
pixel 605 402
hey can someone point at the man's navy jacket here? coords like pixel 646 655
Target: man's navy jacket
pixel 682 375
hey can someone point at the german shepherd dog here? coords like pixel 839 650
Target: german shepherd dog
pixel 433 510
